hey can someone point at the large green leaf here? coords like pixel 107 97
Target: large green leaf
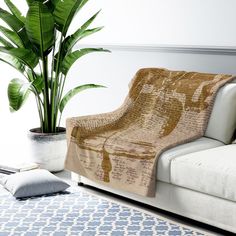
pixel 82 32
pixel 67 47
pixel 26 56
pixel 11 20
pixel 29 2
pixel 64 13
pixel 17 63
pixel 75 91
pixel 12 36
pixel 51 4
pixel 15 11
pixel 16 25
pixel 40 27
pixel 5 43
pixel 89 32
pixel 18 92
pixel 38 83
pixel 71 58
pixel 47 3
pixel 12 61
pixel 71 40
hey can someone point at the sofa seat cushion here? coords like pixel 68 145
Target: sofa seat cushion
pixel 211 171
pixel 163 166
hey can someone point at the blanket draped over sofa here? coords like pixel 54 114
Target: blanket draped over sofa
pixel 163 109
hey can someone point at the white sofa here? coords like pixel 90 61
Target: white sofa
pixel 198 179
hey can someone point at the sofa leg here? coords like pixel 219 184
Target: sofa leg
pixel 76 178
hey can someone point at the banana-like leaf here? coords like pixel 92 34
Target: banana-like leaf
pixel 71 40
pixel 15 11
pixel 89 32
pixel 17 64
pixel 75 91
pixel 71 58
pixel 26 56
pixel 38 83
pixel 89 21
pixel 51 5
pixel 16 25
pixel 12 61
pixel 40 27
pixel 64 13
pixel 11 20
pixel 45 2
pixel 12 36
pixel 29 2
pixel 18 92
pixel 5 43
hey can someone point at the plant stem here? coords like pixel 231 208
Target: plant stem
pixel 53 59
pixel 52 99
pixel 47 111
pixel 62 84
pixel 38 98
pixel 39 109
pixel 55 88
pixel 59 95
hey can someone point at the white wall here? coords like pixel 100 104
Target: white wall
pixel 188 22
pixel 181 22
pixel 116 69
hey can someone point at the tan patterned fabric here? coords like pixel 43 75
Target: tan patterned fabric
pixel 163 109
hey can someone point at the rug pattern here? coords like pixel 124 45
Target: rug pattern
pixel 80 213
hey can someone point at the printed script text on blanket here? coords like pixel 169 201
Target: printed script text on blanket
pixel 163 109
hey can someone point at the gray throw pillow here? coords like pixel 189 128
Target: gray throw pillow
pixel 33 183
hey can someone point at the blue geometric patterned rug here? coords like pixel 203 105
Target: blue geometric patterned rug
pixel 80 213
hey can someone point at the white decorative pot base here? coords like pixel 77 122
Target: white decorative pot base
pixel 48 150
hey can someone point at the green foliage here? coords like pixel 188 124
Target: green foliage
pixel 64 12
pixel 5 43
pixel 15 11
pixel 71 58
pixel 37 45
pixel 40 28
pixel 12 36
pixel 74 91
pixel 16 25
pixel 18 92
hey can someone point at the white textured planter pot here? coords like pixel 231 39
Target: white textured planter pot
pixel 48 150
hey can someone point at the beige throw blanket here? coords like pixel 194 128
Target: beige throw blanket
pixel 163 109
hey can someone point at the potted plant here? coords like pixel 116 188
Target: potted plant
pixel 39 47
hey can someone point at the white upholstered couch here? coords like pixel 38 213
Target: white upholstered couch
pixel 198 179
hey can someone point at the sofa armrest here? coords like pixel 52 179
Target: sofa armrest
pixel 86 123
pixel 91 124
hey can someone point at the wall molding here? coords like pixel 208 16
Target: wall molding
pixel 218 50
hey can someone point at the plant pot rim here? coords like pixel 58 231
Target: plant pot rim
pixel 36 133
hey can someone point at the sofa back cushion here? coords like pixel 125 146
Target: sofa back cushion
pixel 222 122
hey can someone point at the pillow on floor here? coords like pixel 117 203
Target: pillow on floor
pixel 33 183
